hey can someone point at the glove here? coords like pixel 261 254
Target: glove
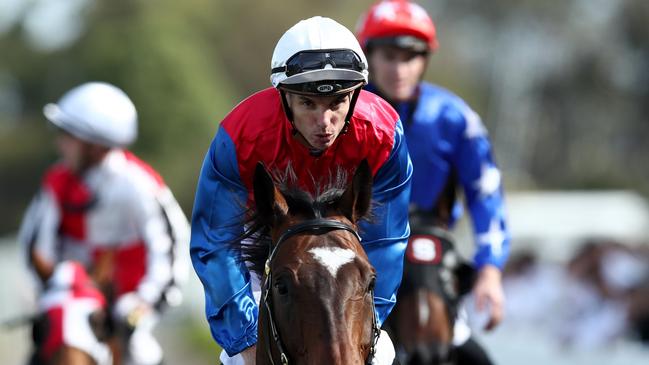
pixel 130 309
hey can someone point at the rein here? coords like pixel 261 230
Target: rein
pixel 315 226
pixel 430 276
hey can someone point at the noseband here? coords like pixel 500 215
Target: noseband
pixel 315 226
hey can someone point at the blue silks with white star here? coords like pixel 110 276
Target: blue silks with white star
pixel 444 135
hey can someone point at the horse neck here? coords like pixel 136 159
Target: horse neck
pixel 443 209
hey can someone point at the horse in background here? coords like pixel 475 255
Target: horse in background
pixel 317 302
pixel 70 294
pixel 434 280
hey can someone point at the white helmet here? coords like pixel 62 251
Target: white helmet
pixel 96 112
pixel 318 56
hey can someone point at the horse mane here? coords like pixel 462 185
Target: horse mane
pixel 253 245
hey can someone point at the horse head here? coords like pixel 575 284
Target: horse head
pixel 434 280
pixel 317 303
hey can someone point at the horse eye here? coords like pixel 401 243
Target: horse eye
pixel 281 287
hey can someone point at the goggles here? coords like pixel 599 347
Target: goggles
pixel 318 60
pixel 406 42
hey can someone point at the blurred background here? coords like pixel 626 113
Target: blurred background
pixel 562 86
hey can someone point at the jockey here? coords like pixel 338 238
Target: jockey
pixel 315 119
pixel 445 138
pixel 103 207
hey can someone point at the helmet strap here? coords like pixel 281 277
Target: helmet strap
pixel 350 113
pixel 289 116
pixel 288 112
pixel 348 117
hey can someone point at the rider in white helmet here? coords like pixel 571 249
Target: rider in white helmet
pixel 315 119
pixel 334 65
pixel 103 207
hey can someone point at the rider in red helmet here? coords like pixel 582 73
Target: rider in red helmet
pixel 445 138
pixel 398 22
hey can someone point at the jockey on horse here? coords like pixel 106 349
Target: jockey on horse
pixel 104 208
pixel 313 121
pixel 446 139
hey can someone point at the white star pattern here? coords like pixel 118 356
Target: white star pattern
pixel 474 126
pixel 388 10
pixel 385 10
pixel 489 180
pixel 494 237
pixel 418 13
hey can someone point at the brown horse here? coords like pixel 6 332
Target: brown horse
pixel 434 280
pixel 317 304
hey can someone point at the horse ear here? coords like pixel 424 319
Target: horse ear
pixel 355 201
pixel 270 203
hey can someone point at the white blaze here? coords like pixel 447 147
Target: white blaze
pixel 332 257
pixel 424 310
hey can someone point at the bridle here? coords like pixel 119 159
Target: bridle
pixel 433 280
pixel 315 226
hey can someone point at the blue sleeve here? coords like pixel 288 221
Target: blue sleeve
pixel 386 236
pixel 218 208
pixel 482 184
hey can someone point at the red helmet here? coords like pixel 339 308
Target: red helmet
pixel 397 22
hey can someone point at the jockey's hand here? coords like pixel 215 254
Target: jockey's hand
pixel 489 295
pixel 130 309
pixel 249 355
